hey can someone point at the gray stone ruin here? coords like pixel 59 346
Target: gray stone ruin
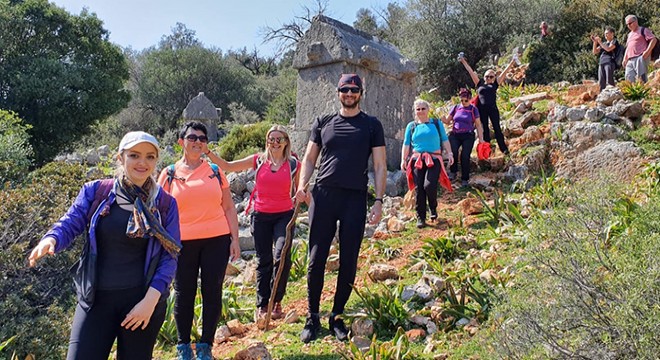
pixel 201 109
pixel 330 48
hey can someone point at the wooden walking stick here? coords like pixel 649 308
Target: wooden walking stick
pixel 285 252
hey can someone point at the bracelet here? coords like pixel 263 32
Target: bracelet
pixel 379 199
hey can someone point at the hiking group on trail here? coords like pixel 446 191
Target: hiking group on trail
pixel 143 234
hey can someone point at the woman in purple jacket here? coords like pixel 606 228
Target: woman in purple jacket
pixel 132 229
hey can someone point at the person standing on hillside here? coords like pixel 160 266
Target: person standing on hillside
pixel 607 54
pixel 639 45
pixel 487 104
pixel 345 140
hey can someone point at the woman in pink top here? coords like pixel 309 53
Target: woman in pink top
pixel 209 235
pixel 275 179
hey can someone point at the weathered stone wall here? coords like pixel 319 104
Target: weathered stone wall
pixel 200 108
pixel 331 48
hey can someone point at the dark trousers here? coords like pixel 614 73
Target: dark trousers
pixel 426 187
pixel 266 229
pixel 211 257
pixel 465 142
pixel 93 332
pixel 605 75
pixel 492 113
pixel 330 205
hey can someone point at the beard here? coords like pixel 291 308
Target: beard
pixel 347 105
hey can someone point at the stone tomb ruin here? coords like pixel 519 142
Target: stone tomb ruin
pixel 330 48
pixel 201 109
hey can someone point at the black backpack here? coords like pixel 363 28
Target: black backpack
pixel 655 53
pixel 618 53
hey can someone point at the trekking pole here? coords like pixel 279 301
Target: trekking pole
pixel 285 252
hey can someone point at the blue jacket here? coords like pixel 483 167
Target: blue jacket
pixel 74 223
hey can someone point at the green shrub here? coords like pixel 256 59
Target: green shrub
pixel 282 108
pixel 634 90
pixel 384 308
pixel 589 289
pixel 15 149
pixel 396 349
pixel 37 302
pixel 244 140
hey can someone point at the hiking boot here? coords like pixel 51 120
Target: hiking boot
pixel 277 311
pixel 203 351
pixel 184 352
pixel 420 223
pixel 451 176
pixel 311 330
pixel 465 183
pixel 434 214
pixel 337 327
pixel 260 313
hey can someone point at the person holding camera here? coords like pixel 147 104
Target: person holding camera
pixel 606 50
pixel 487 104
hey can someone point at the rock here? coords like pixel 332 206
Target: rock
pixel 401 182
pixel 237 183
pixel 497 163
pixel 420 266
pixel 516 173
pixel 250 273
pixel 363 327
pixel 609 95
pixel 236 328
pixel 382 272
pixel 362 343
pixel 103 150
pixel 594 114
pixel 487 276
pixel 557 114
pixel 420 320
pixel 420 290
pixel 522 108
pixel 416 334
pixel 634 111
pixel 291 317
pixel 435 282
pixel 254 351
pixel 391 188
pixel 532 133
pixel 470 206
pixel 92 158
pixel 536 158
pixel 481 182
pixel 582 135
pixel 576 114
pixel 222 334
pixel 462 322
pixel 333 263
pixel 395 225
pixel 529 99
pixel 619 160
pixel 232 270
pixel 73 158
pixel 245 239
pixel 431 328
pixel 94 173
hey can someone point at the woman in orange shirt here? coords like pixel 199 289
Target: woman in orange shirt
pixel 275 179
pixel 209 235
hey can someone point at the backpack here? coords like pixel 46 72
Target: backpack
pixel 618 52
pixel 293 166
pixel 412 131
pixel 103 190
pixel 171 174
pixel 466 128
pixel 655 53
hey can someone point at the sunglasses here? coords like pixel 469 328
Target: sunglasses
pixel 276 140
pixel 193 138
pixel 490 76
pixel 420 109
pixel 345 90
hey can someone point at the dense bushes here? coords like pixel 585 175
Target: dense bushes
pixel 15 150
pixel 590 288
pixel 36 303
pixel 243 141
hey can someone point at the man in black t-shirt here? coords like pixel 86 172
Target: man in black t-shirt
pixel 345 141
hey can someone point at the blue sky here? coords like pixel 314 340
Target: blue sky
pixel 223 24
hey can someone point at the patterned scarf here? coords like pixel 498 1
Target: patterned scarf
pixel 142 222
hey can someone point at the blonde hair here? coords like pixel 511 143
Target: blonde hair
pixel 287 148
pixel 420 102
pixel 120 172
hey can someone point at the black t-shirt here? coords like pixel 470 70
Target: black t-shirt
pixel 346 144
pixel 487 93
pixel 120 259
pixel 607 57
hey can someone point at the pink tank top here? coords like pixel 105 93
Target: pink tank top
pixel 273 189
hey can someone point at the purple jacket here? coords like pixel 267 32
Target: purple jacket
pixel 74 223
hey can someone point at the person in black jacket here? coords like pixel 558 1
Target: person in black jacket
pixel 607 53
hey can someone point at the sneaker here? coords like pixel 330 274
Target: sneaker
pixel 184 352
pixel 420 223
pixel 260 313
pixel 337 327
pixel 277 311
pixel 451 176
pixel 203 351
pixel 434 214
pixel 311 330
pixel 465 183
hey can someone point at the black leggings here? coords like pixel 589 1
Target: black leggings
pixel 465 142
pixel 492 113
pixel 211 256
pixel 330 205
pixel 426 187
pixel 93 332
pixel 266 228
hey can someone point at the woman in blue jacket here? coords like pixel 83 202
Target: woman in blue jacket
pixel 133 239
